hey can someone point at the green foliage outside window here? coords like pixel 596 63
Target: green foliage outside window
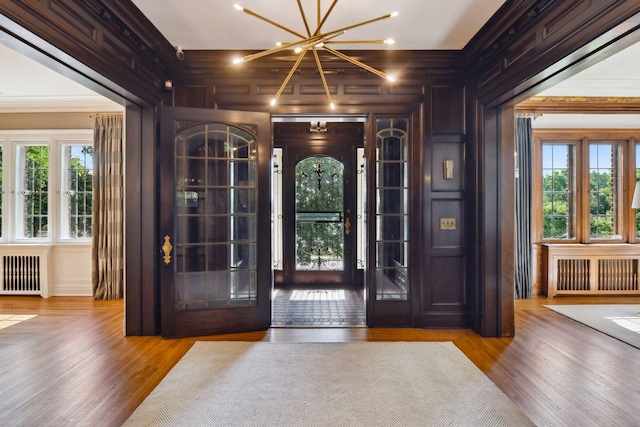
pixel 36 192
pixel 602 216
pixel 559 198
pixel 319 197
pixel 556 205
pixel 80 191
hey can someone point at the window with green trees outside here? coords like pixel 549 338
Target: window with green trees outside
pixel 583 185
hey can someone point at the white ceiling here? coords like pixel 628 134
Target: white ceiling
pixel 27 86
pixel 214 24
pixel 617 75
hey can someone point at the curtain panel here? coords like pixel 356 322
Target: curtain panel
pixel 524 200
pixel 108 194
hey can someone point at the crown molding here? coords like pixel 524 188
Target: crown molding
pixel 580 105
pixel 57 104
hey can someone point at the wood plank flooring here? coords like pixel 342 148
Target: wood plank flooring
pixel 71 366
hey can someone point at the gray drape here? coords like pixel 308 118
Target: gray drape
pixel 524 177
pixel 108 193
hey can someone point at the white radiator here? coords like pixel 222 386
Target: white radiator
pixel 21 274
pixel 24 270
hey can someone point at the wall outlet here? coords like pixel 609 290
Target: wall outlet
pixel 447 223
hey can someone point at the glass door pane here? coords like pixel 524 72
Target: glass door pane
pixel 392 210
pixel 216 215
pixel 319 215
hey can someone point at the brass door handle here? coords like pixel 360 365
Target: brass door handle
pixel 166 248
pixel 347 226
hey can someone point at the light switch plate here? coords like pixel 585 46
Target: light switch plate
pixel 447 223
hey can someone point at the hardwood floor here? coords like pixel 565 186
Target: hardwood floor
pixel 71 366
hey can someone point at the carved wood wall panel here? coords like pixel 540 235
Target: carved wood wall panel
pixel 539 35
pixel 252 86
pixel 443 270
pixel 110 38
pixel 444 295
pixel 299 96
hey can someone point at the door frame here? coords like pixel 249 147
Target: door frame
pixel 339 123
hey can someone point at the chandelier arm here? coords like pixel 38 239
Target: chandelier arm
pixel 322 76
pixel 317 41
pixel 282 27
pixel 304 18
pixel 325 16
pixel 284 46
pixel 379 18
pixel 293 70
pixel 356 62
pixel 373 41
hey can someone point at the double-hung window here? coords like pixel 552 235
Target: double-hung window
pixel 46 178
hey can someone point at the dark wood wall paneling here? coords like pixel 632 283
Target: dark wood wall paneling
pixel 530 46
pixel 209 80
pixel 526 47
pixel 445 263
pixel 114 44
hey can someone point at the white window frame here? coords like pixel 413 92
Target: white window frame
pixel 56 140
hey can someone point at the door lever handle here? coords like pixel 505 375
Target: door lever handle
pixel 166 248
pixel 347 226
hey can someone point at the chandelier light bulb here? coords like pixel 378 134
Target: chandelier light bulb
pixel 389 41
pixel 298 49
pixel 394 14
pixel 238 7
pixel 237 61
pixel 391 78
pixel 273 102
pixel 333 106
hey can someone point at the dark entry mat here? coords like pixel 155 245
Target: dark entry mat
pixel 318 307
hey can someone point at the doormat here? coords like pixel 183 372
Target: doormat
pixel 318 308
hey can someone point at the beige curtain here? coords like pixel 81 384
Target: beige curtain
pixel 108 194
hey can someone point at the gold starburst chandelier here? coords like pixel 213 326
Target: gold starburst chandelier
pixel 316 40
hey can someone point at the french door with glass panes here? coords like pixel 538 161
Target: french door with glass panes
pixel 215 235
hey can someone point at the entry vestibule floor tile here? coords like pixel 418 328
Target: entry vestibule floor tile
pixel 318 307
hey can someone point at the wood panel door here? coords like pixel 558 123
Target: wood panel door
pixel 216 271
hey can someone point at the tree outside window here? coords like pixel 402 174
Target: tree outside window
pixel 580 183
pixel 78 196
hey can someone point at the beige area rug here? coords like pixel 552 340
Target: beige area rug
pixel 620 321
pixel 326 384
